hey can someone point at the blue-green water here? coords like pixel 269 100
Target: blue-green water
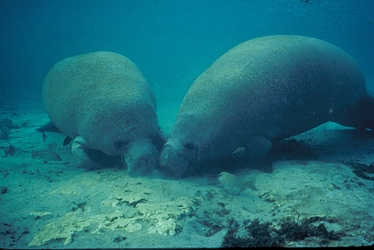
pixel 172 42
pixel 47 202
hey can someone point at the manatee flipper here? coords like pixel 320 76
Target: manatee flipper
pixel 79 151
pixel 256 147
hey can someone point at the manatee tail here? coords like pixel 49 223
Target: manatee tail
pixel 360 116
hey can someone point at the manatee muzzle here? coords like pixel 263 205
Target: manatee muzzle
pixel 140 158
pixel 174 160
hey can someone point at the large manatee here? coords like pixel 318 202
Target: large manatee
pixel 103 101
pixel 262 90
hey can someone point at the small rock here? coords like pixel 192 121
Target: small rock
pixel 4 190
pixel 232 181
pixel 10 150
pixel 47 155
pixel 6 123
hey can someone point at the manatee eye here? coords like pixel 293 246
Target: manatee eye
pixel 189 146
pixel 120 145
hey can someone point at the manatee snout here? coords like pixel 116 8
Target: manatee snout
pixel 174 160
pixel 140 158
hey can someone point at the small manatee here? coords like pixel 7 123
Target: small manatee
pixel 103 102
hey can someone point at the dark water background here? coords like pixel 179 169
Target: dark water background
pixel 172 42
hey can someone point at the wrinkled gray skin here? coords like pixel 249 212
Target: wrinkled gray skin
pixel 104 103
pixel 265 89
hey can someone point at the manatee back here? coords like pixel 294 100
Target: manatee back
pixel 277 86
pixel 101 96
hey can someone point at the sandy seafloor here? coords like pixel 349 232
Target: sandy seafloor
pixel 49 203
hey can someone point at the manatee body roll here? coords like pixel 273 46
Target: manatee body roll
pixel 265 89
pixel 103 102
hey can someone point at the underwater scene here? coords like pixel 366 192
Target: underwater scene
pixel 186 123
